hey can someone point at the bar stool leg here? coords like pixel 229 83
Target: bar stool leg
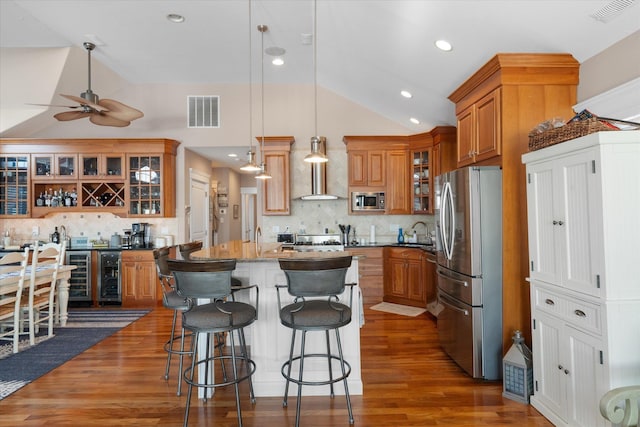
pixel 235 377
pixel 346 386
pixel 170 345
pixel 286 388
pixel 299 402
pixel 329 360
pixel 245 356
pixel 194 346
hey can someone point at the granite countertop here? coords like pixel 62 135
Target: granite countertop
pixel 423 246
pixel 252 252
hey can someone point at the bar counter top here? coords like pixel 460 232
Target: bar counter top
pixel 253 252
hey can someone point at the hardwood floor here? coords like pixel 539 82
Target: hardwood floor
pixel 408 381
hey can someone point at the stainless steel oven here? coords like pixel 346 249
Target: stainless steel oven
pixel 367 201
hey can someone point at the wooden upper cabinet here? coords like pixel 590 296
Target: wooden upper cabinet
pixel 398 195
pixel 56 167
pixel 276 192
pixel 479 130
pixel 367 168
pixel 126 177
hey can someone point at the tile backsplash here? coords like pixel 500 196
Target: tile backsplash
pixel 92 225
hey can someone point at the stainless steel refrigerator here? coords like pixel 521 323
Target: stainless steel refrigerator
pixel 469 253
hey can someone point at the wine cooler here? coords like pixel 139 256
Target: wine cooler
pixel 109 284
pixel 80 281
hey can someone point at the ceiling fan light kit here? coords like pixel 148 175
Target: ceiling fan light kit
pixel 102 112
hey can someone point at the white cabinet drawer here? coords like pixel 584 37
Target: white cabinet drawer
pixel 584 315
pixel 549 302
pixel 581 314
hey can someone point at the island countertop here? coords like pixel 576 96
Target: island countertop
pixel 252 252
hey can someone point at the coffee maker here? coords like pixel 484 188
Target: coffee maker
pixel 139 235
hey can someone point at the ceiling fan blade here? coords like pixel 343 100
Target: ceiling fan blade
pixel 55 105
pixel 119 110
pixel 83 101
pixel 71 115
pixel 106 120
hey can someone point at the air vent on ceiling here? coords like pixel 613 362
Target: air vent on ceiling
pixel 204 111
pixel 611 10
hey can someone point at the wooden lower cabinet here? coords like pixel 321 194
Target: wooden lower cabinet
pixel 370 272
pixel 405 276
pixel 139 279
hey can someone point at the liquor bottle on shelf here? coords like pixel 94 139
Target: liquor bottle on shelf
pixel 55 236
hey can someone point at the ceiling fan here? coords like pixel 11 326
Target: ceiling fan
pixel 103 112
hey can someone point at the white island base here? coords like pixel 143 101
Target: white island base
pixel 269 341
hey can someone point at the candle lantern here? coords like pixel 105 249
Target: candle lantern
pixel 517 375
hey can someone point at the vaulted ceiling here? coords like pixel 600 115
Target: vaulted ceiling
pixel 367 50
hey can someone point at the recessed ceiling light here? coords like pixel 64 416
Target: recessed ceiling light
pixel 277 61
pixel 174 17
pixel 406 94
pixel 414 121
pixel 232 155
pixel 443 45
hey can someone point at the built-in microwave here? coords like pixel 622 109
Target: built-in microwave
pixel 367 201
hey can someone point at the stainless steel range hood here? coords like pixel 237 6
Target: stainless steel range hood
pixel 319 176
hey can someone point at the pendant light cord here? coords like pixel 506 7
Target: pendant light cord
pixel 262 93
pixel 315 69
pixel 250 85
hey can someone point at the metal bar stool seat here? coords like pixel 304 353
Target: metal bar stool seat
pixel 315 284
pixel 211 280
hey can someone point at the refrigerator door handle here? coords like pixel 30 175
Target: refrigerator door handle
pixel 443 301
pixel 464 283
pixel 447 227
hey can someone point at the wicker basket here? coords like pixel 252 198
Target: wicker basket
pixel 564 133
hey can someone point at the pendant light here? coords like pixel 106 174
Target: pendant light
pixel 263 167
pixel 317 151
pixel 251 165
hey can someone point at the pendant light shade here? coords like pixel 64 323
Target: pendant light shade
pixel 251 165
pixel 316 155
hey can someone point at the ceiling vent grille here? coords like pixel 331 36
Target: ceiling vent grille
pixel 611 10
pixel 204 111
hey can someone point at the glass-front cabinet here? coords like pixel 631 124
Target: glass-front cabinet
pixel 145 185
pixel 14 185
pixel 102 165
pixel 54 167
pixel 421 179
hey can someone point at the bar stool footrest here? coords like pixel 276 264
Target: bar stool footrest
pixel 285 368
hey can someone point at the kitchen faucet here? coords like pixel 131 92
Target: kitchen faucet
pixel 425 227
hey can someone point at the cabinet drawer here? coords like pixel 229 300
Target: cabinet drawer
pixel 549 302
pixel 578 313
pixel 584 315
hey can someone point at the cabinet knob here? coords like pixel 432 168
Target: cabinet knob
pixel 580 313
pixel 555 222
pixel 560 367
pixel 566 371
pixel 549 301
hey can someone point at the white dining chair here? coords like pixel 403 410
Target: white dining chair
pixel 12 266
pixel 45 264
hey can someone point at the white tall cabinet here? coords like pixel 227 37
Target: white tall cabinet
pixel 583 205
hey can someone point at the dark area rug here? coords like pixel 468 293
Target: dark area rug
pixel 18 370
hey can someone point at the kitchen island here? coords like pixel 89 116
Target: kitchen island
pixel 267 339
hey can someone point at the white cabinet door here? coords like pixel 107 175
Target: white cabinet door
pixel 584 371
pixel 568 371
pixel 564 221
pixel 549 382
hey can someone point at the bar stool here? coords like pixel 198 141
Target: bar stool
pixel 186 249
pixel 315 284
pixel 172 301
pixel 211 280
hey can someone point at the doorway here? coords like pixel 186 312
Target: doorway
pixel 248 202
pixel 198 213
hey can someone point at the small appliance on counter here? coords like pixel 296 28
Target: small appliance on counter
pixel 140 235
pixel 116 241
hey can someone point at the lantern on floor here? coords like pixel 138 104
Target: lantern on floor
pixel 517 371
